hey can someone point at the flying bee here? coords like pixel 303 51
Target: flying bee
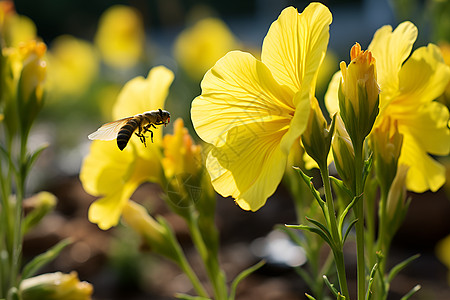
pixel 123 129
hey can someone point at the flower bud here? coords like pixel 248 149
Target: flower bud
pixel 317 137
pixel 344 155
pixel 136 217
pixel 55 286
pixel 39 205
pixel 397 205
pixel 358 94
pixel 387 144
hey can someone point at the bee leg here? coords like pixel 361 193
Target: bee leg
pixel 142 138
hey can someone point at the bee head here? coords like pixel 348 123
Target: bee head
pixel 165 116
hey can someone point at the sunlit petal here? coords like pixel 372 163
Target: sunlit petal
pixel 105 168
pixel 390 49
pixel 424 172
pixel 429 128
pixel 250 165
pixel 143 94
pixel 238 90
pixel 296 44
pixel 423 77
pixel 105 212
pixel 331 96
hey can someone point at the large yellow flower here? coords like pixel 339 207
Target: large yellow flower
pixel 252 111
pixel 407 93
pixel 114 175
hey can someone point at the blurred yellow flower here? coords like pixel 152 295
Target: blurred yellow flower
pixel 120 36
pixel 199 47
pixel 445 98
pixel 23 79
pixel 55 286
pixel 73 66
pixel 114 175
pixel 443 253
pixel 14 28
pixel 407 93
pixel 252 111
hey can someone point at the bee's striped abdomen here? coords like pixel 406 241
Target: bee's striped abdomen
pixel 126 132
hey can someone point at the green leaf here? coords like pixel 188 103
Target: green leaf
pixel 309 297
pixel 331 287
pixel 312 229
pixel 7 156
pixel 309 183
pixel 395 270
pixel 242 276
pixel 32 158
pixel 411 292
pixel 349 229
pixel 321 227
pixel 367 168
pixel 345 212
pixel 371 279
pixel 42 259
pixel 339 184
pixel 189 297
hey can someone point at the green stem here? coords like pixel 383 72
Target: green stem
pixel 215 275
pixel 337 238
pixel 359 226
pixel 198 287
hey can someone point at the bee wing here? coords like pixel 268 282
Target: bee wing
pixel 109 130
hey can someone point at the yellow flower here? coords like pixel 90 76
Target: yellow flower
pixel 252 111
pixel 55 286
pixel 114 175
pixel 197 48
pixel 407 93
pixel 14 28
pixel 73 66
pixel 120 36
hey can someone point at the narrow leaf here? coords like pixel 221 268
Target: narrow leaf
pixel 308 181
pixel 32 158
pixel 346 210
pixel 339 184
pixel 331 287
pixel 349 229
pixel 42 259
pixel 242 276
pixel 395 270
pixel 189 297
pixel 312 229
pixel 367 168
pixel 411 292
pixel 320 226
pixel 371 279
pixel 309 297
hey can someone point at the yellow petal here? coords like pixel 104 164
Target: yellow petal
pixel 331 96
pixel 296 44
pixel 250 165
pixel 423 77
pixel 143 94
pixel 105 212
pixel 424 173
pixel 429 128
pixel 238 90
pixel 390 49
pixel 105 168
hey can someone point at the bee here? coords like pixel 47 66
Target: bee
pixel 123 129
